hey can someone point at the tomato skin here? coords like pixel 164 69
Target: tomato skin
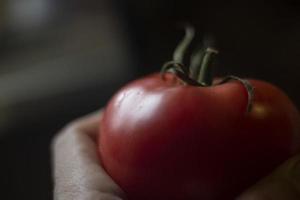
pixel 161 139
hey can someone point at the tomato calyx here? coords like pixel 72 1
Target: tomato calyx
pixel 199 73
pixel 247 85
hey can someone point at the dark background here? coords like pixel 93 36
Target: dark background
pixel 61 59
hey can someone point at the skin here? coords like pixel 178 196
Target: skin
pixel 77 172
pixel 79 175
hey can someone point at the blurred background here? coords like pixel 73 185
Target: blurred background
pixel 60 59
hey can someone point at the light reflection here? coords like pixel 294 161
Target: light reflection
pixel 260 111
pixel 134 106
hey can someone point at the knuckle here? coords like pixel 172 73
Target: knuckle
pixel 59 138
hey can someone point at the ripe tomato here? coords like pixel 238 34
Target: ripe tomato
pixel 165 140
pixel 161 138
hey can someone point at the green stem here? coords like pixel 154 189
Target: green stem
pixel 205 75
pixel 195 63
pixel 184 44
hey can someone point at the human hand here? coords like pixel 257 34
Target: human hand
pixel 78 174
pixel 282 184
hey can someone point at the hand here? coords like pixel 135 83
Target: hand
pixel 78 174
pixel 77 171
pixel 282 184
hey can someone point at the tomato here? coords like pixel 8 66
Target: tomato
pixel 161 138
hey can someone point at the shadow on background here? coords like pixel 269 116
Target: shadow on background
pixel 61 59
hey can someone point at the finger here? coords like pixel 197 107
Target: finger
pixel 282 184
pixel 78 174
pixel 88 124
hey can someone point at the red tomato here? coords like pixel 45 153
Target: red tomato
pixel 181 137
pixel 162 139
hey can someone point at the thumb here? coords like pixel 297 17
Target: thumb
pixel 282 184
